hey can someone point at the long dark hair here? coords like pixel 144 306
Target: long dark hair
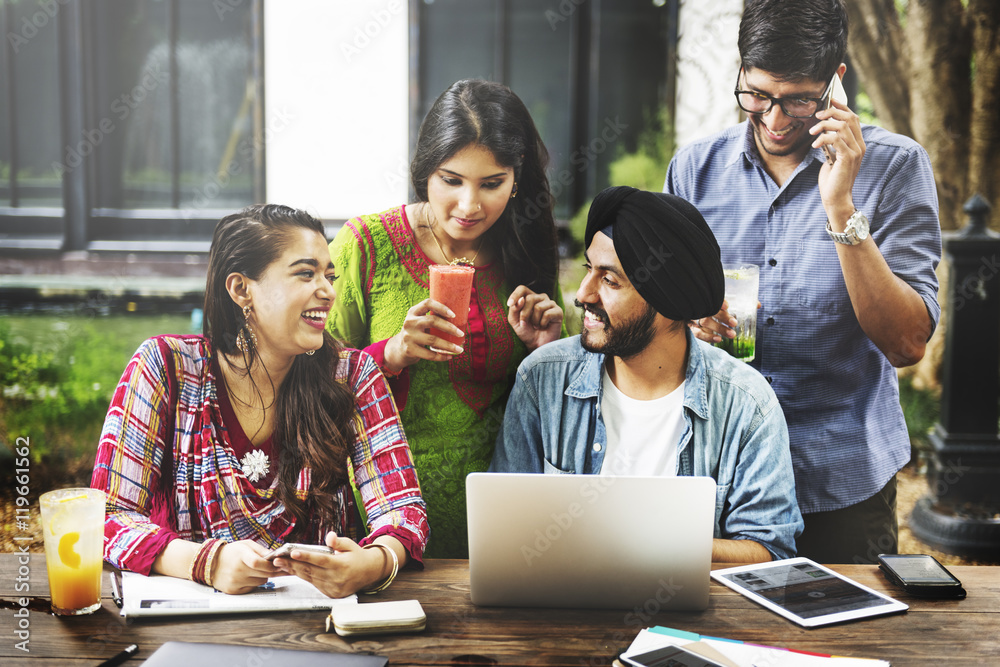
pixel 314 414
pixel 489 114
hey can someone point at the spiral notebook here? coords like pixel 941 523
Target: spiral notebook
pixel 160 595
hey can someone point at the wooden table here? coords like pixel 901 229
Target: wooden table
pixel 959 632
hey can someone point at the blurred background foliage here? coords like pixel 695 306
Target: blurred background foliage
pixel 58 374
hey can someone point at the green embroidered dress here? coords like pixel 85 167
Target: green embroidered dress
pixel 454 409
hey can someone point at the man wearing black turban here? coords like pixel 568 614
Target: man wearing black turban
pixel 637 393
pixel 690 284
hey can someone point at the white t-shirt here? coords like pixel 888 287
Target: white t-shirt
pixel 642 435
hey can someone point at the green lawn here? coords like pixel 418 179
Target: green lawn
pixel 58 373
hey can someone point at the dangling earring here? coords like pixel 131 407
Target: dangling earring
pixel 310 353
pixel 245 343
pixel 513 193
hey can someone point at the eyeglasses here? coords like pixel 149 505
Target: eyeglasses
pixel 794 107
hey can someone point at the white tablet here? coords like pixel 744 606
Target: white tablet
pixel 806 592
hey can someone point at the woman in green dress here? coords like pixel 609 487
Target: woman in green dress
pixel 483 200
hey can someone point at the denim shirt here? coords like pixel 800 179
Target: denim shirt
pixel 734 431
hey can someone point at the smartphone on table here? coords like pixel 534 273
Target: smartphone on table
pixel 920 575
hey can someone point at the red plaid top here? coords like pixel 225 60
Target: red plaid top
pixel 170 466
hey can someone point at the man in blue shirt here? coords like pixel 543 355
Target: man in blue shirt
pixel 847 251
pixel 637 394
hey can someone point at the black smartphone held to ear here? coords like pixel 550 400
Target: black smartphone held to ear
pixel 835 91
pixel 920 575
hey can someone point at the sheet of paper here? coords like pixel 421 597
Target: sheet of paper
pixel 750 654
pixel 159 595
pixel 740 654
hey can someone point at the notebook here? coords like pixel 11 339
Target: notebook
pixel 172 654
pixel 590 540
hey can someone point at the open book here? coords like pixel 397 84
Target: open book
pixel 160 595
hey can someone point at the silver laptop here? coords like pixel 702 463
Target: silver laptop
pixel 590 541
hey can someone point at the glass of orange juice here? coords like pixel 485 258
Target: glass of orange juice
pixel 73 530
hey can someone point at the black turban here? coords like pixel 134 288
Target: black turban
pixel 665 247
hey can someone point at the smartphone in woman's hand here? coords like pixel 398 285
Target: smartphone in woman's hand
pixel 285 550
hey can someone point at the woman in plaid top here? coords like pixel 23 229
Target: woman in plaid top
pixel 218 448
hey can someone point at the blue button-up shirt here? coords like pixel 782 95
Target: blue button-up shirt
pixel 733 432
pixel 839 393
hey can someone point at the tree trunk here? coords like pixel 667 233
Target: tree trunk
pixel 876 38
pixel 932 71
pixel 984 151
pixel 941 96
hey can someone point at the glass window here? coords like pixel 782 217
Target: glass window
pixel 215 100
pixel 141 122
pixel 6 92
pixel 539 33
pixel 132 100
pixel 31 73
pixel 203 157
pixel 632 78
pixel 458 41
pixel 593 76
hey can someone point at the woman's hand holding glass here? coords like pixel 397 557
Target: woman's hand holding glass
pixel 418 339
pixel 535 318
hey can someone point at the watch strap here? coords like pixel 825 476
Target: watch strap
pixel 849 236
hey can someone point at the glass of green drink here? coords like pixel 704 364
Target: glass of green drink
pixel 742 281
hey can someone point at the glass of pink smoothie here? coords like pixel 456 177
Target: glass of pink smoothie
pixel 452 286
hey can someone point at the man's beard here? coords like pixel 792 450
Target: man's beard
pixel 624 340
pixel 763 143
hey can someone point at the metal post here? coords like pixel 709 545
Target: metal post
pixel 961 514
pixel 73 59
